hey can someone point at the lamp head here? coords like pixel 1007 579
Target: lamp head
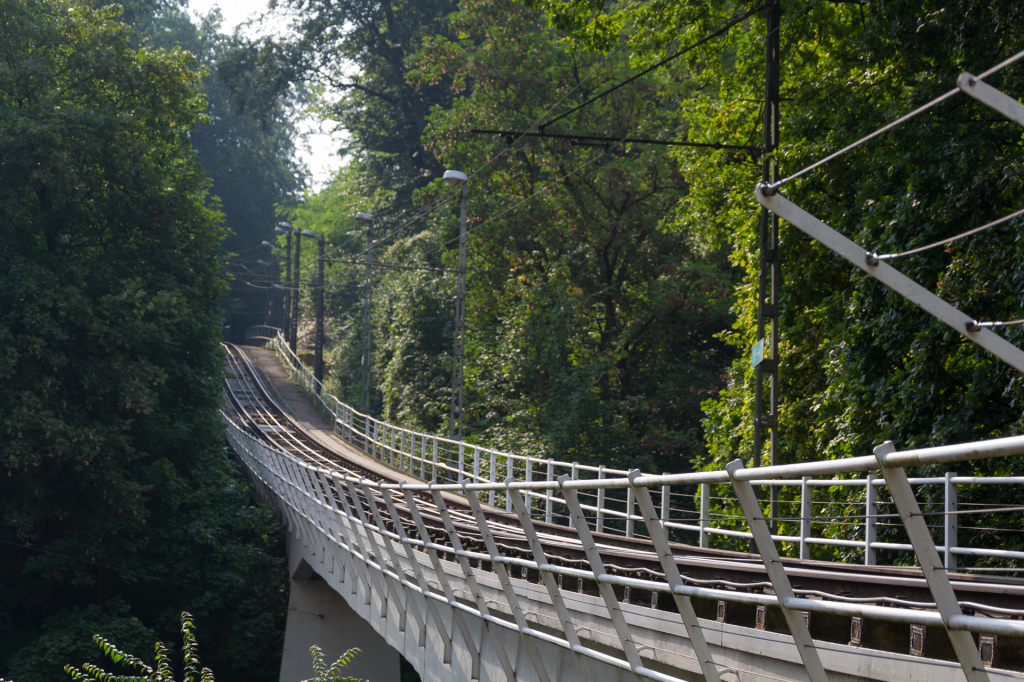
pixel 266 243
pixel 364 218
pixel 310 233
pixel 454 177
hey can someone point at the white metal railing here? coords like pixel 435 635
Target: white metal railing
pixel 262 332
pixel 693 510
pixel 317 499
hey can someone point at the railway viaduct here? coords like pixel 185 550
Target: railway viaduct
pixel 505 567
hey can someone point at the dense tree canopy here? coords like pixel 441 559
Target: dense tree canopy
pixel 118 506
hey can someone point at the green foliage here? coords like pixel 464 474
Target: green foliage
pixel 351 56
pixel 144 672
pixel 859 364
pixel 116 488
pixel 251 163
pixel 321 673
pixel 591 323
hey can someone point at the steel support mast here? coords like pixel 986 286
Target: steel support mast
pixel 367 363
pixel 766 370
pixel 458 380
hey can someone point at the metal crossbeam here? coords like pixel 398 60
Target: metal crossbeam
pixel 659 538
pixel 568 626
pixel 777 574
pixel 890 276
pixel 518 615
pixel 991 97
pixel 934 572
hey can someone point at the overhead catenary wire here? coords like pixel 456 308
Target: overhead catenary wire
pixel 529 132
pixel 916 112
pixel 689 48
pixel 445 196
pixel 519 203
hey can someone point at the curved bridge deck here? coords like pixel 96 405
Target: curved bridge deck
pixel 467 590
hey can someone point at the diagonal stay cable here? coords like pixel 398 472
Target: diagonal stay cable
pixel 920 110
pixel 920 249
pixel 693 46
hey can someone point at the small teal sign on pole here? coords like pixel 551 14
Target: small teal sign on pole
pixel 757 354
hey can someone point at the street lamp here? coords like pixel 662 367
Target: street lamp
pixel 367 219
pixel 295 295
pixel 286 229
pixel 318 345
pixel 454 178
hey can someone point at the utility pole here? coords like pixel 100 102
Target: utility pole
pixel 286 229
pixel 766 359
pixel 453 177
pixel 268 319
pixel 295 296
pixel 367 219
pixel 318 353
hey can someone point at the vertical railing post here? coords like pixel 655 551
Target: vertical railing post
pixel 462 461
pixel 950 524
pixel 550 492
pixel 391 446
pixel 629 512
pixel 705 514
pixel 806 513
pixel 870 520
pixel 423 457
pixel 510 463
pixel 528 494
pixel 476 467
pixel 401 450
pixel 493 477
pixel 434 476
pixel 666 502
pixel 599 525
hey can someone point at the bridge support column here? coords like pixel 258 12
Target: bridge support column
pixel 317 614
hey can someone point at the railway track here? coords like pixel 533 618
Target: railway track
pixel 251 401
